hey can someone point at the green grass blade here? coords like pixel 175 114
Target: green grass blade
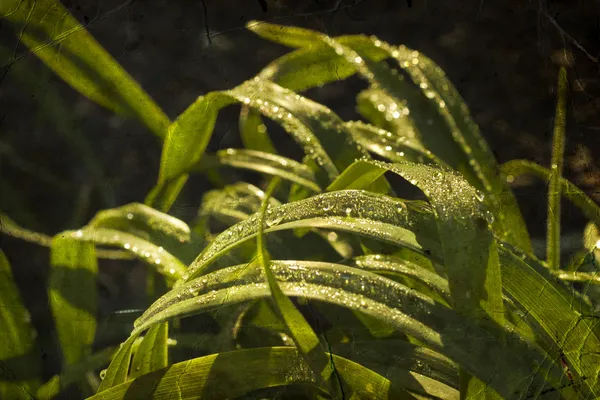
pixel 155 256
pixel 11 228
pixel 66 47
pixel 17 347
pixel 153 226
pixel 266 163
pixel 554 187
pixel 443 330
pixel 233 203
pixel 138 217
pixel 392 146
pixel 364 213
pixel 403 355
pixel 420 279
pixel 225 375
pixel 253 132
pixel 118 369
pixel 588 207
pixel 152 354
pixel 434 107
pixel 359 176
pixel 73 296
pixel 473 270
pixel 301 332
pixel 320 132
pixel 571 324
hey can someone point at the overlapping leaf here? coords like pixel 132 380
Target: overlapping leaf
pixel 73 295
pixel 436 107
pixel 319 131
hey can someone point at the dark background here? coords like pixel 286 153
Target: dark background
pixel 62 157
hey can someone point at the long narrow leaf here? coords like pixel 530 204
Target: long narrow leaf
pixel 558 148
pixel 155 256
pixel 65 46
pixel 436 107
pixel 319 131
pixel 301 332
pixel 225 375
pixel 73 296
pixel 152 354
pixel 266 163
pixel 20 364
pixel 443 330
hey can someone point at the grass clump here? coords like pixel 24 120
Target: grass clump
pixel 326 283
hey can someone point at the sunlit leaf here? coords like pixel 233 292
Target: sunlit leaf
pixel 155 256
pixel 226 375
pixel 73 295
pixel 152 354
pixel 438 114
pixel 443 330
pixel 18 358
pixel 266 163
pixel 65 46
pixel 301 332
pixel 117 371
pixel 319 131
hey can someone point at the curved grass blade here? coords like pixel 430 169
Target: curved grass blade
pixel 225 375
pixel 382 220
pixel 364 213
pixel 425 281
pixel 392 146
pixel 266 163
pixel 319 131
pixel 153 226
pixel 253 132
pixel 357 178
pixel 301 332
pixel 20 364
pixel 572 325
pixel 233 203
pixel 72 294
pixel 66 47
pixel 403 355
pixel 588 207
pixel 460 338
pixel 155 256
pixel 439 105
pixel 469 248
pixel 152 353
pixel 11 228
pixel 558 149
pixel 473 271
pixel 391 114
pixel 137 217
pixel 117 371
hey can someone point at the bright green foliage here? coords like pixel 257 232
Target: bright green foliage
pixel 73 297
pixel 64 45
pixel 328 283
pixel 17 347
